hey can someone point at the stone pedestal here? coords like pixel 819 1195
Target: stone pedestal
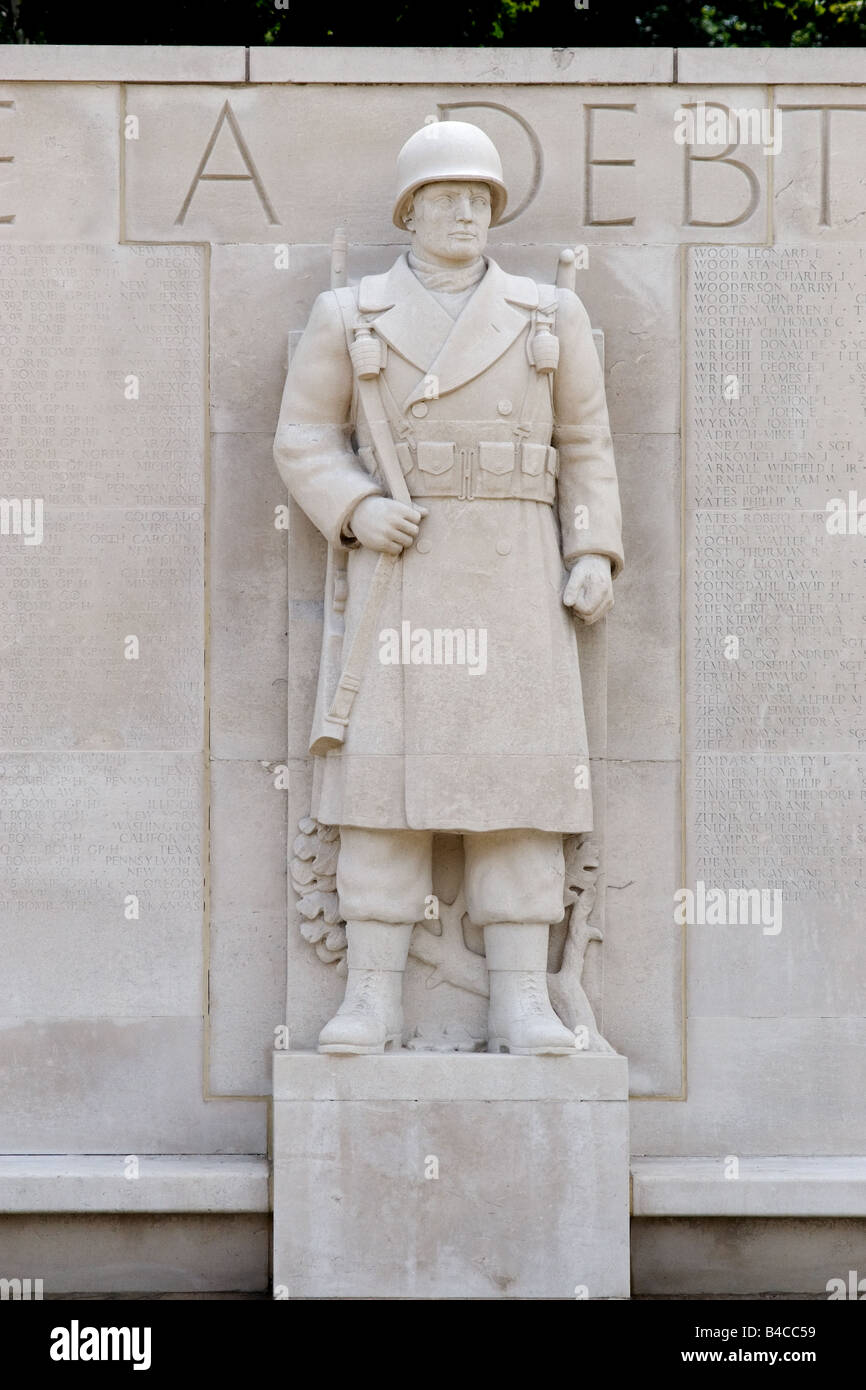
pixel 427 1176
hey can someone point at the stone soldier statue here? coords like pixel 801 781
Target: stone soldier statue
pixel 466 712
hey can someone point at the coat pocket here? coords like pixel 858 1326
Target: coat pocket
pixel 434 457
pixel 496 458
pixel 534 459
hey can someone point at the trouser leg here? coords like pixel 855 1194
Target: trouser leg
pixel 383 877
pixel 514 876
pixel 514 890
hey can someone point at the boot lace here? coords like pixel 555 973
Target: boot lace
pixel 363 994
pixel 534 995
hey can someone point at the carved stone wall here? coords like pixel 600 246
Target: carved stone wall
pixel 164 228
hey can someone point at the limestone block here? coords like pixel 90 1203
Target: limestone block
pixel 759 622
pixel 103 373
pixel 102 878
pixel 59 163
pixel 771 586
pixel 247 957
pixel 307 561
pixel 774 647
pixel 253 294
pixel 57 62
pixel 102 580
pixel 820 194
pixel 154 1183
pixel 463 65
pixel 685 1258
pixel 772 347
pixel 107 1254
pixel 773 626
pixel 776 1187
pixel 381 1194
pixel 582 165
pixel 643 680
pixel 305 636
pixel 592 648
pixel 643 989
pixel 115 1085
pixel 788 827
pixel 406 1076
pixel 247 599
pixel 838 65
pixel 763 1086
pixel 641 185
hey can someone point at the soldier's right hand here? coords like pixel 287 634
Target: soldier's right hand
pixel 380 523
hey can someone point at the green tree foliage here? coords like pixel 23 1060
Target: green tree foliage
pixel 756 24
pixel 545 23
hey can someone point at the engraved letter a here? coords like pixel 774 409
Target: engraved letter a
pixel 253 176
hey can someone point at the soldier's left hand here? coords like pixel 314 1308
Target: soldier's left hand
pixel 589 590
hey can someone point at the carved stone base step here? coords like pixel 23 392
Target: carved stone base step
pixel 471 1176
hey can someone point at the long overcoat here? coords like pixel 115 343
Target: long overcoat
pixel 470 715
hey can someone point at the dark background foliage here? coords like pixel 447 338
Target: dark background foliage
pixel 545 23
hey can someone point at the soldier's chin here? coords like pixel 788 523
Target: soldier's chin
pixel 462 246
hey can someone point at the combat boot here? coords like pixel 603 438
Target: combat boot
pixel 370 1018
pixel 521 1017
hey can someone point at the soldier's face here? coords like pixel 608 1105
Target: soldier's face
pixel 449 221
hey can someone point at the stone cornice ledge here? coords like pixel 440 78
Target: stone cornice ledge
pixel 446 1077
pixel 56 62
pixel 462 66
pixel 415 66
pixel 698 1187
pixel 785 66
pixel 165 1183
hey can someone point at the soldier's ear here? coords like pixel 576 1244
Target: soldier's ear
pixel 409 216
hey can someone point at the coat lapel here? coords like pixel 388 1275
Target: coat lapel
pixel 455 351
pixel 488 325
pixel 413 323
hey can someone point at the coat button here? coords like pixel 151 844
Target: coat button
pixel 423 546
pixel 503 547
pixel 505 407
pixel 419 409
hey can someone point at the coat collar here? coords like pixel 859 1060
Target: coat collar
pixel 455 351
pixel 410 320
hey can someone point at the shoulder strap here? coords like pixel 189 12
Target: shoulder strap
pixel 539 388
pixel 546 311
pixel 353 315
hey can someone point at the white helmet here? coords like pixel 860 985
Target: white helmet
pixel 446 151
